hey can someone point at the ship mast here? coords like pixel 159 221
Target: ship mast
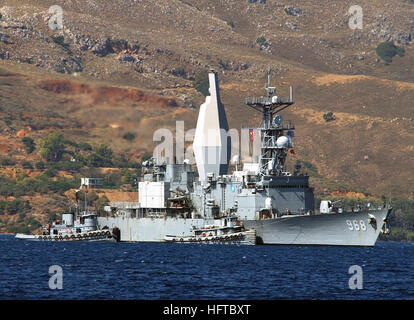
pixel 273 151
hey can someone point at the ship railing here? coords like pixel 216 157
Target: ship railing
pixel 155 215
pixel 286 125
pixel 266 101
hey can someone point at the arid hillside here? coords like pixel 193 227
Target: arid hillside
pixel 129 65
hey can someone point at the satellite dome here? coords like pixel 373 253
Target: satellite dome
pixel 278 120
pixel 283 142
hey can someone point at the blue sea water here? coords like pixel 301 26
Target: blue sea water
pixel 192 271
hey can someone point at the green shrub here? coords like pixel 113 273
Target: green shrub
pixel 129 176
pixel 40 165
pixel 24 225
pixel 60 40
pixel 70 166
pixel 329 116
pixel 101 203
pixel 122 162
pixel 33 224
pixel 7 162
pixel 201 82
pixel 146 157
pixel 129 136
pixel 70 143
pixel 179 72
pixel 112 180
pixel 387 50
pixel 101 157
pixel 85 146
pixel 29 144
pixel 52 147
pixel 230 24
pixel 397 234
pixel 50 172
pixel 18 228
pixel 27 165
pixel 410 236
pixel 305 167
pixel 260 40
pixel 17 206
pixel 22 216
pixel 118 44
pixel 51 216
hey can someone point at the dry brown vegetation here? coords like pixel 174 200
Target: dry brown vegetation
pixel 132 62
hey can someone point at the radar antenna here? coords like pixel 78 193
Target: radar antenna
pixel 272 154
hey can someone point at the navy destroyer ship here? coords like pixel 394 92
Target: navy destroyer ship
pixel 278 206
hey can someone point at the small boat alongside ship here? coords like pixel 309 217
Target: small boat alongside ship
pixel 83 228
pixel 75 226
pixel 230 231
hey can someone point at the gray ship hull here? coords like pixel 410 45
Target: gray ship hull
pixel 152 229
pixel 345 229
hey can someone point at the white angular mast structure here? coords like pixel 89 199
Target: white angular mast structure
pixel 212 145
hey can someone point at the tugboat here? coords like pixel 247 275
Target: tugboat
pixel 75 226
pixel 84 228
pixel 231 231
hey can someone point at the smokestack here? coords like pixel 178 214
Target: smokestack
pixel 212 145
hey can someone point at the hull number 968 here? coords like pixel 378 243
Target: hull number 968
pixel 355 225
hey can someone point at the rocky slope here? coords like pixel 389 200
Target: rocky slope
pixel 128 65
